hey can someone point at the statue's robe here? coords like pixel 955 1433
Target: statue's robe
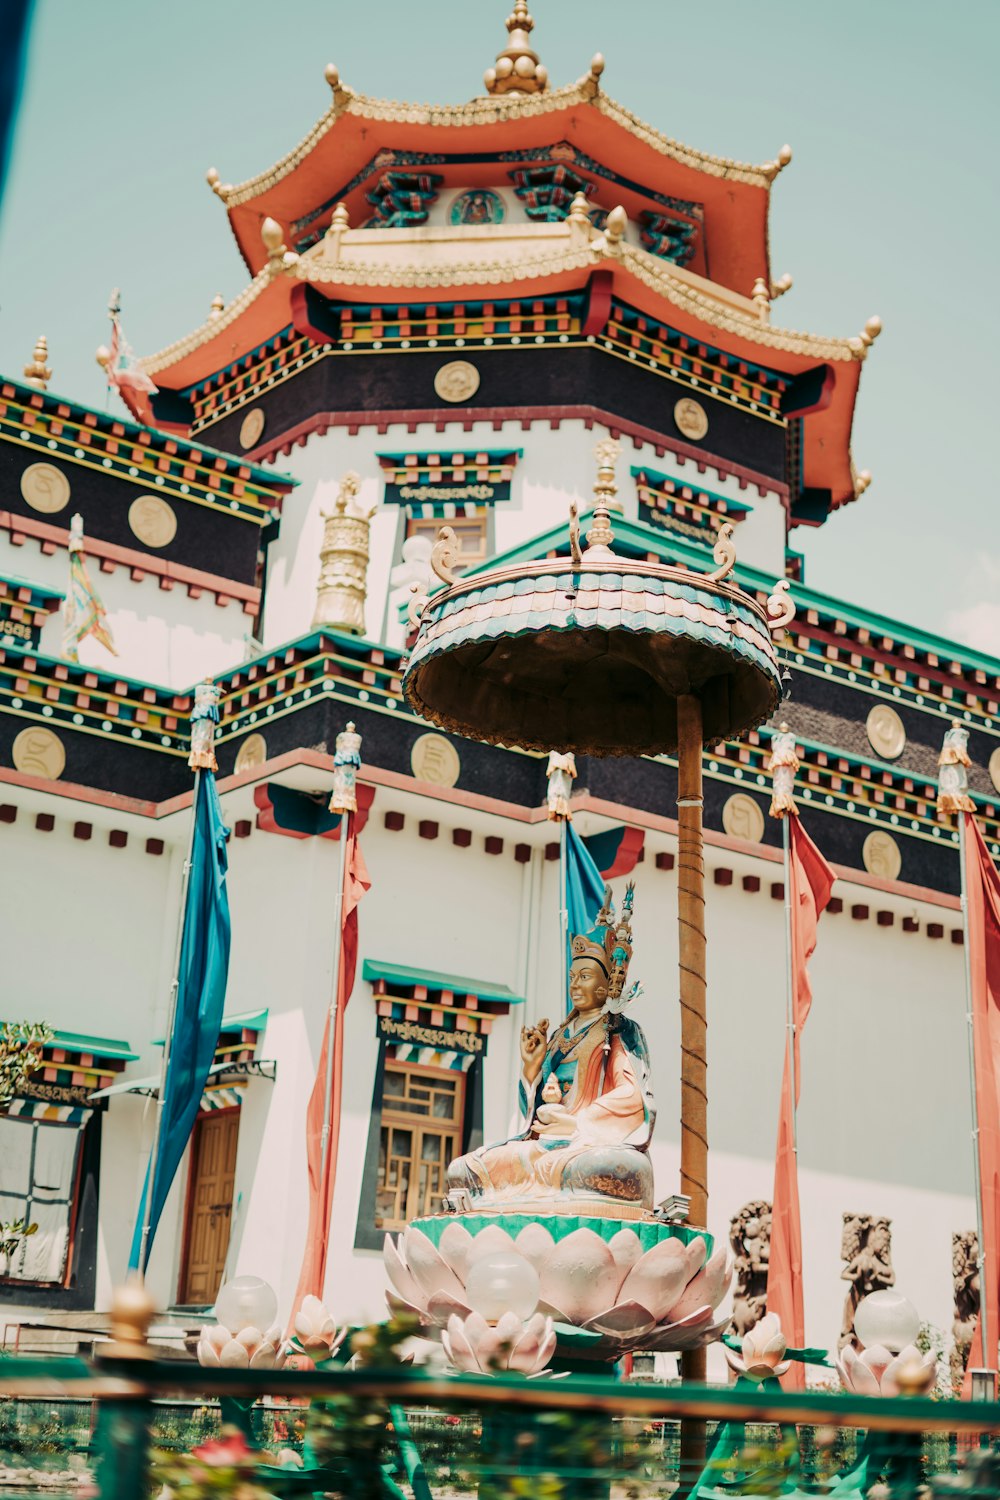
pixel 607 1093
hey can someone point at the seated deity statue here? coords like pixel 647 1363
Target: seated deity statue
pixel 584 1095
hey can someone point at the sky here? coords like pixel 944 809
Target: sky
pixel 890 205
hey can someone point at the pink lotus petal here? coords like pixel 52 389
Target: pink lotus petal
pixel 580 1275
pixel 458 1348
pixel 657 1279
pixel 908 1356
pixel 489 1349
pixel 207 1355
pixel 555 1313
pixel 708 1286
pixel 733 1360
pixel 431 1270
pixel 234 1356
pixel 695 1253
pixel 783 1367
pixel 627 1320
pixel 535 1244
pixel 218 1336
pixel 487 1241
pixel 626 1247
pixel 547 1349
pixel 509 1328
pixel 877 1359
pixel 396 1305
pixel 441 1307
pixel 400 1275
pixel 857 1376
pixel 264 1358
pixel 455 1244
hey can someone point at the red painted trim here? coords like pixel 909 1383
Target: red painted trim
pixel 465 416
pixel 268 823
pixel 126 557
pixel 629 853
pixel 599 291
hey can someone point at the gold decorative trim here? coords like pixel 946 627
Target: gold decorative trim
pixel 881 855
pixel 457 380
pixel 252 752
pixel 886 732
pixel 39 752
pixel 152 520
pixel 435 759
pixel 489 111
pixel 742 818
pixel 252 427
pixel 45 488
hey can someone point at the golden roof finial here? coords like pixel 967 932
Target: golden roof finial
pixel 38 373
pixel 600 536
pixel 218 303
pixel 517 69
pixel 761 299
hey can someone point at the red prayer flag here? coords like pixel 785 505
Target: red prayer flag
pixel 810 883
pixel 982 891
pixel 313 1273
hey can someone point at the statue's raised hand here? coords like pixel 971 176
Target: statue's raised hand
pixel 534 1040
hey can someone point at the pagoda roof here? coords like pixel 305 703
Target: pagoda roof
pixel 337 159
pixel 387 265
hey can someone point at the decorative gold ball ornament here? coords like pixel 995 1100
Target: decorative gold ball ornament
pixel 152 520
pixel 691 418
pixel 251 427
pixel 252 752
pixel 458 380
pixel 38 752
pixel 886 734
pixel 435 759
pixel 881 855
pixel 994 769
pixel 742 818
pixel 45 488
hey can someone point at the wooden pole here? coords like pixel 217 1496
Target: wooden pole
pixel 694 1067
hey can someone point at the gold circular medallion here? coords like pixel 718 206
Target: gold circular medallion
pixel 435 759
pixel 742 818
pixel 886 734
pixel 252 752
pixel 251 427
pixel 881 855
pixel 45 488
pixel 457 380
pixel 994 769
pixel 39 752
pixel 691 418
pixel 152 520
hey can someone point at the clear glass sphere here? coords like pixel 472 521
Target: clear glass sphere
pixel 246 1302
pixel 887 1318
pixel 500 1282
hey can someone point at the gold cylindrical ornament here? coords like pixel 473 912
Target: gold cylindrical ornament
pixel 342 586
pixel 953 772
pixel 561 773
pixel 784 765
pixel 204 718
pixel 346 764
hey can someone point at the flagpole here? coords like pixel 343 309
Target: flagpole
pixel 786 842
pixel 563 914
pixel 953 797
pixel 346 763
pixel 989 1359
pixel 560 775
pixel 204 717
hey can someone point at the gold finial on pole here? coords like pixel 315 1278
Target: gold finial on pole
pixel 132 1311
pixel 517 69
pixel 343 587
pixel 600 536
pixel 38 373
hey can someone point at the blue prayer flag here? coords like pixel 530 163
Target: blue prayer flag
pixel 584 895
pixel 201 994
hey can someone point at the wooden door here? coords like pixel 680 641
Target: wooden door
pixel 210 1205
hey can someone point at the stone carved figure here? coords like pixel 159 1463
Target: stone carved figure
pixel 585 1096
pixel 866 1247
pixel 750 1242
pixel 965 1279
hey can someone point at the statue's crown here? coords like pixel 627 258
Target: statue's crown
pixel 610 940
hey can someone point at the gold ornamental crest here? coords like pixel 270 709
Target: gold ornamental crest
pixel 45 488
pixel 691 418
pixel 886 733
pixel 152 520
pixel 39 752
pixel 458 380
pixel 251 427
pixel 742 818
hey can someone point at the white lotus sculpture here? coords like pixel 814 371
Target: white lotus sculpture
pixel 663 1299
pixel 316 1330
pixel 763 1353
pixel 481 1348
pixel 250 1348
pixel 876 1371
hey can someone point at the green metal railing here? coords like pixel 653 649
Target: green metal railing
pixel 127 1426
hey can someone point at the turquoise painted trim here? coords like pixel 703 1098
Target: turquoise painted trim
pixel 655 477
pixel 433 979
pixel 494 456
pixel 635 538
pixel 38 594
pixel 248 1020
pixel 269 479
pixel 98 1046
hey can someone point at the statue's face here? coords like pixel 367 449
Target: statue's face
pixel 588 985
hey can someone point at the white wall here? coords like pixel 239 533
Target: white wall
pixel 556 468
pixel 162 636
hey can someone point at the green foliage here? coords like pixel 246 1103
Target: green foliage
pixel 21 1044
